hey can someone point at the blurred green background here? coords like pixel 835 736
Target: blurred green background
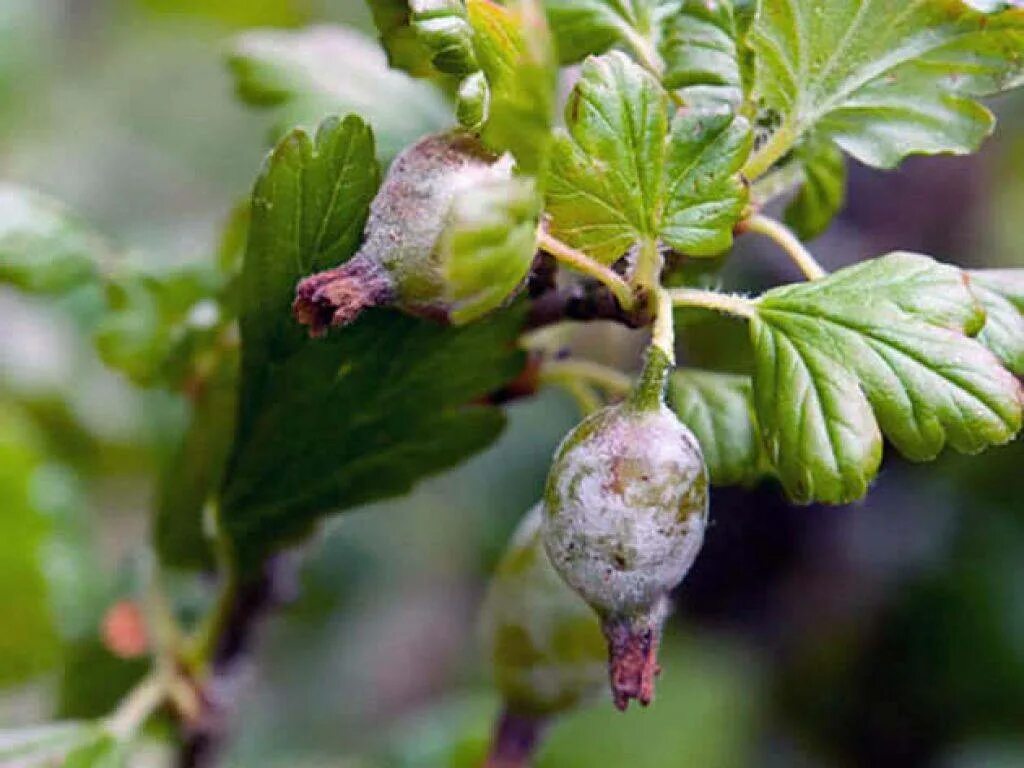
pixel 890 632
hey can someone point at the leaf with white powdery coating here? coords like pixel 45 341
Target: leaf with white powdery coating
pixel 625 172
pixel 718 408
pixel 1001 293
pixel 881 347
pixel 326 425
pixel 884 78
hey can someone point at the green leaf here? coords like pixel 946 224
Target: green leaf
pixel 444 30
pixel 514 48
pixel 489 242
pixel 327 425
pixel 310 74
pixel 1001 293
pixel 45 745
pixel 700 52
pixel 624 172
pixel 44 248
pixel 29 642
pixel 504 55
pixel 104 752
pixel 880 347
pixel 400 40
pixel 719 409
pixel 883 78
pixel 156 323
pixel 823 192
pixel 584 27
pixel 194 473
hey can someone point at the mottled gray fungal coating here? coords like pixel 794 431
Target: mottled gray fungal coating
pixel 627 505
pixel 410 212
pixel 401 262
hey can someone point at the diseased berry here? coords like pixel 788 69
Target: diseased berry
pixel 627 505
pixel 450 236
pixel 543 642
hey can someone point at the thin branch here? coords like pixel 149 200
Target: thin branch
pixel 728 304
pixel 136 708
pixel 581 262
pixel 787 241
pixel 610 380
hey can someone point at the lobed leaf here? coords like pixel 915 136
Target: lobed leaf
pixel 1001 293
pixel 624 171
pixel 327 425
pixel 719 409
pixel 885 78
pixel 883 347
pixel 310 74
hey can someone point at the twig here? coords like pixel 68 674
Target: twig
pixel 581 262
pixel 787 241
pixel 729 304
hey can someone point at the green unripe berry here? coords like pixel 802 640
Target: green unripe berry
pixel 627 505
pixel 450 236
pixel 543 642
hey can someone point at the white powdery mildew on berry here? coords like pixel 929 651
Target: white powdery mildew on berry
pixel 628 508
pixel 411 210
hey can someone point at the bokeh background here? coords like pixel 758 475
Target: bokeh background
pixel 888 632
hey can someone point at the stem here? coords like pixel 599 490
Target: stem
pixel 647 275
pixel 649 393
pixel 516 739
pixel 587 400
pixel 663 335
pixel 581 262
pixel 728 304
pixel 771 152
pixel 137 707
pixel 786 240
pixel 609 379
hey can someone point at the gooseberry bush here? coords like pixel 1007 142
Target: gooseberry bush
pixel 406 253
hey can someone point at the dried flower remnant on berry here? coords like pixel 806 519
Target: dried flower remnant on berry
pixel 408 259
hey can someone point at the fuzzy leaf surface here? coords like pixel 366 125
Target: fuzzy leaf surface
pixel 326 425
pixel 624 171
pixel 1001 293
pixel 885 78
pixel 719 409
pixel 310 74
pixel 882 347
